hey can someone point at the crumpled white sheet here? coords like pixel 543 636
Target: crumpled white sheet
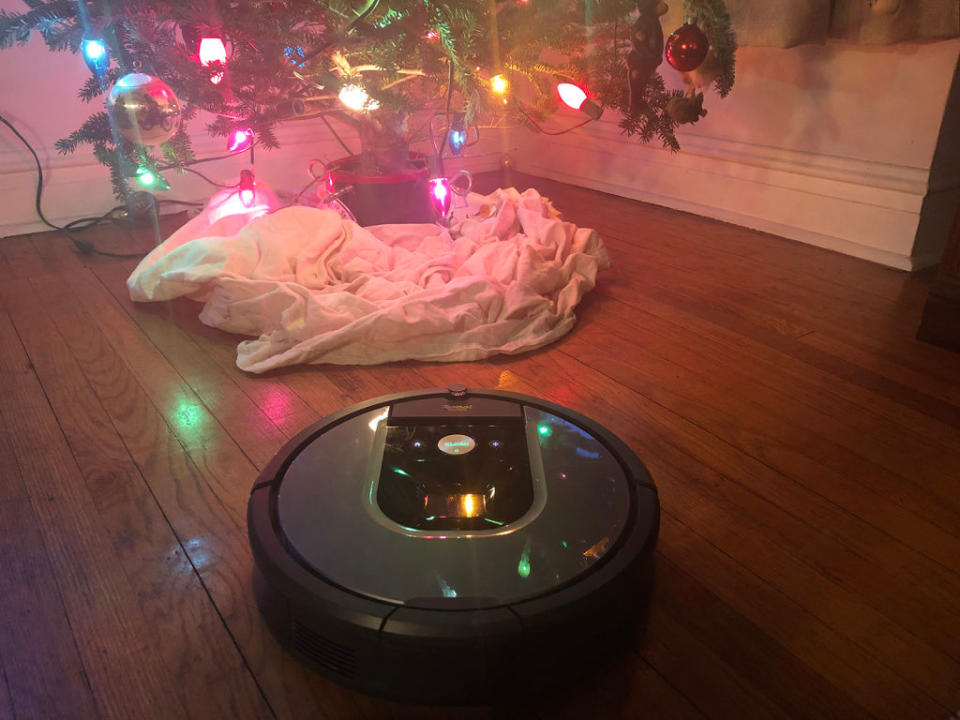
pixel 312 287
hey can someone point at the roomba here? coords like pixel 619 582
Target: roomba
pixel 453 545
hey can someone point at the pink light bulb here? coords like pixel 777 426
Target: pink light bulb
pixel 571 95
pixel 441 196
pixel 240 139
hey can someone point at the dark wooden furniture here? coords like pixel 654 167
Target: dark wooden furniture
pixel 940 323
pixel 806 448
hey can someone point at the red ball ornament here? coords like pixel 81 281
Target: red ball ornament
pixel 687 47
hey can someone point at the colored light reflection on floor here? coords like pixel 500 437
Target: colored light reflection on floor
pixel 190 417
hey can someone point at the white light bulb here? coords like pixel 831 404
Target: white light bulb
pixel 356 98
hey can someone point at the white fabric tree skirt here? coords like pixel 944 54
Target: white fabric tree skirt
pixel 312 287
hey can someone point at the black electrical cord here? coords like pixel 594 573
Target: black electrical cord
pixel 82 245
pixel 539 129
pixel 446 115
pixel 112 215
pixel 212 182
pixel 196 162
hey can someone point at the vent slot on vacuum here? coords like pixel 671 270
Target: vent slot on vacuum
pixel 324 652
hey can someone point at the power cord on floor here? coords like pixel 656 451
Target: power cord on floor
pixel 115 215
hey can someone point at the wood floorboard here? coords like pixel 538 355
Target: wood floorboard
pixel 101 606
pixel 675 376
pixel 886 440
pixel 780 370
pixel 856 332
pixel 207 511
pixel 772 668
pixel 43 675
pixel 791 342
pixel 806 449
pixel 183 626
pixel 804 299
pixel 6 703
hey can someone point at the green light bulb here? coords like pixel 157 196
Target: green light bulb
pixel 145 177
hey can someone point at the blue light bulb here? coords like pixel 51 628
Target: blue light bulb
pixel 457 137
pixel 95 55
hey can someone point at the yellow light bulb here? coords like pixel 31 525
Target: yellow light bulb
pixel 499 84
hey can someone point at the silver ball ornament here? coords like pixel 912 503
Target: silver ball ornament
pixel 144 108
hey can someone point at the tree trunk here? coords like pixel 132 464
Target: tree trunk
pixel 384 145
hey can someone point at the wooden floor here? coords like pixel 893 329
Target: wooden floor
pixel 806 449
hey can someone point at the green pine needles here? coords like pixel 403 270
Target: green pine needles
pixel 289 59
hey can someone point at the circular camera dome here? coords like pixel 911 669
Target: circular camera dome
pixel 453 546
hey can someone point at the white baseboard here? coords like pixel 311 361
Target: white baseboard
pixel 858 207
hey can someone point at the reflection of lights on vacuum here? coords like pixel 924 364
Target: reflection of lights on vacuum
pixel 464 505
pixel 375 423
pixel 597 549
pixel 470 505
pixel 523 567
pixel 544 430
pixel 401 471
pixel 445 588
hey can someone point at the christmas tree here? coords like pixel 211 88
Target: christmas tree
pixel 394 70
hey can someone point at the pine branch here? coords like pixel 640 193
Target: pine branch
pixel 96 129
pixel 714 20
pixel 15 28
pixel 283 53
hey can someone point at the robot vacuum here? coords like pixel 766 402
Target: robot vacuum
pixel 453 545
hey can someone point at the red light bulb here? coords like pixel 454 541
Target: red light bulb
pixel 575 97
pixel 247 192
pixel 572 95
pixel 212 50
